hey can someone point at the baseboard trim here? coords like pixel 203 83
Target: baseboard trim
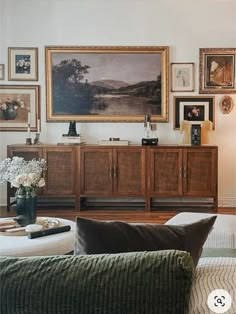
pixel 227 202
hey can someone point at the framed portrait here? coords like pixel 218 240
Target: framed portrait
pixel 19 106
pixel 226 104
pixel 182 77
pixel 194 109
pixel 217 70
pixel 22 64
pixel 2 72
pixel 107 84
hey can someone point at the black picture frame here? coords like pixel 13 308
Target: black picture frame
pixel 194 109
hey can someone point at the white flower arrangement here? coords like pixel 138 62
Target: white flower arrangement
pixel 13 104
pixel 24 175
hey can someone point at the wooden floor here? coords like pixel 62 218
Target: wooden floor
pixel 71 214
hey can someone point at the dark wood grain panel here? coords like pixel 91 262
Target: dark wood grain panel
pixel 60 178
pixel 96 172
pixel 129 172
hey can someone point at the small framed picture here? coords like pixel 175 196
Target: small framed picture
pixel 2 72
pixel 22 64
pixel 19 106
pixel 217 70
pixel 182 77
pixel 226 104
pixel 194 109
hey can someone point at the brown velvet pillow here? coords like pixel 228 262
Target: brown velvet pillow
pixel 99 237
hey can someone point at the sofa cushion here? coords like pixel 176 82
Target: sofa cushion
pixel 141 282
pixel 99 237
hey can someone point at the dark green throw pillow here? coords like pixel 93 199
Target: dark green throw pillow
pixel 126 283
pixel 100 237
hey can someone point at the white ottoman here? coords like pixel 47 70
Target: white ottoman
pixel 55 244
pixel 223 234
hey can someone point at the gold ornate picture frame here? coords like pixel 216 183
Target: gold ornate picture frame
pixel 107 84
pixel 217 70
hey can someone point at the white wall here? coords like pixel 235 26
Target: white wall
pixel 184 26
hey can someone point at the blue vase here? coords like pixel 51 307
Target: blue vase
pixel 26 209
pixel 10 114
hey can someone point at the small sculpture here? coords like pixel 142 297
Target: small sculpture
pixel 226 104
pixel 72 129
pixel 36 139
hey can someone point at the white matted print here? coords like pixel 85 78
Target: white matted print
pixel 2 71
pixel 182 77
pixel 22 64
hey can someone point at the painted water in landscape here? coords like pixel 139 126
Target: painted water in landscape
pixel 106 84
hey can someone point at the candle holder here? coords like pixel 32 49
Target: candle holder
pixel 28 141
pixel 150 138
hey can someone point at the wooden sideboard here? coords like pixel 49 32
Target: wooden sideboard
pixel 130 177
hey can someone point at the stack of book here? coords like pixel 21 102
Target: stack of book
pixel 70 140
pixel 114 142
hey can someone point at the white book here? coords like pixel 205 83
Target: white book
pixel 120 142
pixel 71 139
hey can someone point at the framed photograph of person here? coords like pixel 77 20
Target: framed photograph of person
pixel 107 84
pixel 226 104
pixel 182 77
pixel 2 72
pixel 22 64
pixel 194 109
pixel 217 73
pixel 19 107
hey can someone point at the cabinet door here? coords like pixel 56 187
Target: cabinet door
pixel 96 170
pixel 165 170
pixel 61 171
pixel 199 171
pixel 129 171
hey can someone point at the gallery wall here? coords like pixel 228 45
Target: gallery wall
pixel 184 26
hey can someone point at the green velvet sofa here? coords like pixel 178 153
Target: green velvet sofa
pixel 125 283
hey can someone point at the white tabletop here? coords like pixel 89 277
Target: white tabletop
pixel 55 244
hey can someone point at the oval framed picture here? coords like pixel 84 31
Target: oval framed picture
pixel 226 104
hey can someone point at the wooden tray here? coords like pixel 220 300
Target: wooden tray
pixel 46 222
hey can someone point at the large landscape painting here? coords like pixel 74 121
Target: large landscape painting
pixel 106 83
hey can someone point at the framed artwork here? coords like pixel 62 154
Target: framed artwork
pixel 107 84
pixel 22 64
pixel 217 70
pixel 194 109
pixel 2 72
pixel 226 104
pixel 182 77
pixel 19 106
